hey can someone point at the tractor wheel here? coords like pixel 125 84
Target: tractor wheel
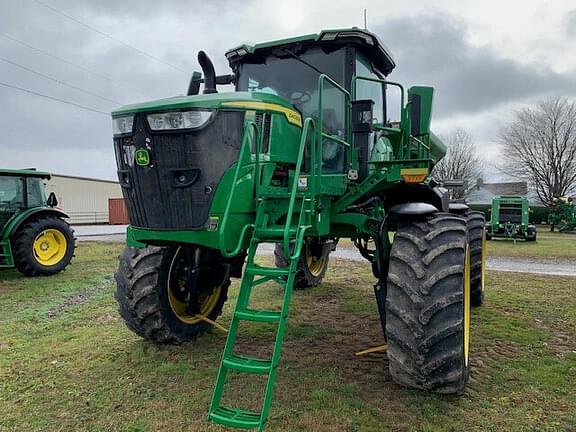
pixel 43 246
pixel 530 233
pixel 153 300
pixel 428 304
pixel 312 264
pixel 477 240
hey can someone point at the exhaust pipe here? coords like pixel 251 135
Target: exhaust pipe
pixel 209 73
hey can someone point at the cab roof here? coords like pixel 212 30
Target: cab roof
pixel 364 40
pixel 29 172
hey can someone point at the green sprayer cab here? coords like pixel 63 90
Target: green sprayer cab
pixel 562 214
pixel 34 237
pixel 315 144
pixel 509 219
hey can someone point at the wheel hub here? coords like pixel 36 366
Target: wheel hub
pixel 49 247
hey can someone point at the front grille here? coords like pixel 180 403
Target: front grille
pixel 175 190
pixel 512 215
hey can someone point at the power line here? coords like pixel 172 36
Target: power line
pixel 56 80
pixel 54 98
pixel 94 29
pixel 46 53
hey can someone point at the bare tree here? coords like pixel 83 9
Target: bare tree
pixel 462 162
pixel 540 145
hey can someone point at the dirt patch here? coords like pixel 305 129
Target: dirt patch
pixel 561 342
pixel 78 298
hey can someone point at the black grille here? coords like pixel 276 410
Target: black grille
pixel 512 215
pixel 175 190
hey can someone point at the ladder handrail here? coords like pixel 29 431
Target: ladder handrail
pixel 246 143
pixel 308 124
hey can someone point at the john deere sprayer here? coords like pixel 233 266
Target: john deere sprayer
pixel 305 151
pixel 34 235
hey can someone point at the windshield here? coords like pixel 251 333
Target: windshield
pixel 294 80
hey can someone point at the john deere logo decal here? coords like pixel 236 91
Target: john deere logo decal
pixel 142 157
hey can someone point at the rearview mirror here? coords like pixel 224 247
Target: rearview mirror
pixel 420 100
pixel 52 201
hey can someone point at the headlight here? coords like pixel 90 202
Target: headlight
pixel 178 120
pixel 122 125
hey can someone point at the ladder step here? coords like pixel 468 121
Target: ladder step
pixel 258 315
pixel 248 364
pixel 275 232
pixel 257 270
pixel 235 417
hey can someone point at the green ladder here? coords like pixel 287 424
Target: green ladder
pixel 6 258
pixel 254 275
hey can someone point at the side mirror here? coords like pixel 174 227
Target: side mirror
pixel 52 201
pixel 420 100
pixel 194 86
pixel 362 114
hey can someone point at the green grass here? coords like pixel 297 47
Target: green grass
pixel 549 245
pixel 68 363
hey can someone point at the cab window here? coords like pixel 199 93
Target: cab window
pixel 12 192
pixel 369 89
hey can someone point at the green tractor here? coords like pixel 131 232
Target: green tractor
pixel 509 219
pixel 34 238
pixel 562 214
pixel 303 153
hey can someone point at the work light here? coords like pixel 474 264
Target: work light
pixel 122 125
pixel 178 120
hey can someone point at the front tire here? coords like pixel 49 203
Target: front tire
pixel 149 282
pixel 43 246
pixel 427 304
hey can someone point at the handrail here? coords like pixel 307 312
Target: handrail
pixel 308 124
pixel 246 143
pixel 404 117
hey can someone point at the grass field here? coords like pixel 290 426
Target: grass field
pixel 549 246
pixel 68 363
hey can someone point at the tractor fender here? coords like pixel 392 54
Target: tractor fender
pixel 420 193
pixel 19 218
pixel 413 209
pixel 458 208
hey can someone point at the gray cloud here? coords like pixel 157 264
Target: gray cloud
pixel 433 50
pixel 571 23
pixel 36 132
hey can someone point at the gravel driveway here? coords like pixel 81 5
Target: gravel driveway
pixel 116 233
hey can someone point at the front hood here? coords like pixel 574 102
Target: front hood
pixel 210 101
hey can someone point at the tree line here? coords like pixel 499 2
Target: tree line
pixel 538 145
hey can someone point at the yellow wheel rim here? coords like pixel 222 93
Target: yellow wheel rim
pixel 50 247
pixel 207 302
pixel 467 306
pixel 315 264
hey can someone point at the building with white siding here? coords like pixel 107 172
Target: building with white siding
pixel 84 199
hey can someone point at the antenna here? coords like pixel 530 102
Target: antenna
pixel 365 27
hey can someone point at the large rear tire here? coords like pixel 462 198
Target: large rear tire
pixel 477 239
pixel 43 246
pixel 427 304
pixel 149 294
pixel 312 264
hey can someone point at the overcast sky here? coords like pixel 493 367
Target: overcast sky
pixel 485 60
